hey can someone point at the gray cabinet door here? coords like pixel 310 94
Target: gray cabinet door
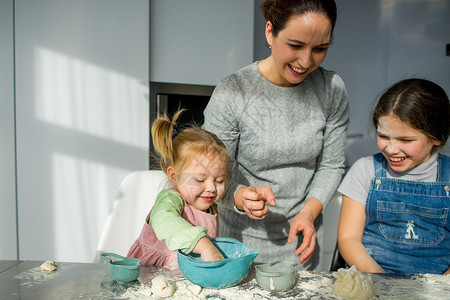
pixel 199 41
pixel 8 228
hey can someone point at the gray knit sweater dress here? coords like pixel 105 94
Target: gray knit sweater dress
pixel 291 139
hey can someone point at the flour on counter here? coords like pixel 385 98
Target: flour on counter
pixel 34 275
pixel 420 286
pixel 185 290
pixel 310 285
pixel 433 278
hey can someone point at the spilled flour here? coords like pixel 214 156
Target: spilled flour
pixel 310 285
pixel 184 290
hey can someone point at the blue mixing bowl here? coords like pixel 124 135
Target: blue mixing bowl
pixel 238 259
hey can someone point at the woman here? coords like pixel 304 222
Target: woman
pixel 284 122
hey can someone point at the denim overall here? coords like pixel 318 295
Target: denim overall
pixel 407 222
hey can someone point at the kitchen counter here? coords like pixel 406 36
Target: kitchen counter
pixel 6 264
pixel 24 280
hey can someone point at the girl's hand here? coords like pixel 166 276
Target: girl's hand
pixel 304 222
pixel 211 254
pixel 207 250
pixel 253 201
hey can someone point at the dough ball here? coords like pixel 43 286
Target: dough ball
pixel 161 287
pixel 49 266
pixel 145 290
pixel 195 289
pixel 352 284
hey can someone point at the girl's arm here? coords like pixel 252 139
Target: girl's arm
pixel 350 232
pixel 176 232
pixel 207 250
pixel 447 272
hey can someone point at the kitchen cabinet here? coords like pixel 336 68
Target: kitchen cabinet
pixel 199 41
pixel 8 237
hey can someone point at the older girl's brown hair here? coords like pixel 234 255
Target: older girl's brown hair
pixel 178 149
pixel 422 104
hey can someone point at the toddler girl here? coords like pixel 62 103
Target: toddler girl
pixel 395 205
pixel 184 217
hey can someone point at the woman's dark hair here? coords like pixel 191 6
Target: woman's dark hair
pixel 279 12
pixel 421 103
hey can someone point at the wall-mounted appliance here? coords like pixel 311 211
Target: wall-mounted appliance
pixel 169 97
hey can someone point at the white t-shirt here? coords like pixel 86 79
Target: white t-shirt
pixel 356 183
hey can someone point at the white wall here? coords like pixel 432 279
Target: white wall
pixel 200 41
pixel 82 118
pixel 8 230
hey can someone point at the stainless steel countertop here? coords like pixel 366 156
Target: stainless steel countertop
pixel 24 280
pixel 6 264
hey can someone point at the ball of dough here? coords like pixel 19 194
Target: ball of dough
pixel 195 289
pixel 161 287
pixel 49 266
pixel 352 284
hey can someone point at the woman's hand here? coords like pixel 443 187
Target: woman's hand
pixel 253 201
pixel 304 222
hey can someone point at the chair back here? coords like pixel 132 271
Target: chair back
pixel 132 203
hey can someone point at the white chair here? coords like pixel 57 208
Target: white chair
pixel 132 203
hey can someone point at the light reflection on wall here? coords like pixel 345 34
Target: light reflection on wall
pixel 104 114
pixel 88 98
pixel 81 194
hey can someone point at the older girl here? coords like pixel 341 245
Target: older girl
pixel 396 204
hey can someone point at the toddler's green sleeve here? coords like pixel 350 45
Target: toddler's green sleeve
pixel 170 227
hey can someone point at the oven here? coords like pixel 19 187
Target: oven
pixel 169 97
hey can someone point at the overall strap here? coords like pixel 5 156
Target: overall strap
pixel 443 167
pixel 380 164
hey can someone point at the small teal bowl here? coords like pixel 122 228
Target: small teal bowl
pixel 125 269
pixel 276 276
pixel 231 270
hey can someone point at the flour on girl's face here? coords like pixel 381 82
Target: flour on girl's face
pixel 202 182
pixel 403 146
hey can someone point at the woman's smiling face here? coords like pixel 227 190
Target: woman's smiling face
pixel 299 49
pixel 403 146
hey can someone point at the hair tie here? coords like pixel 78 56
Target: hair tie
pixel 174 133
